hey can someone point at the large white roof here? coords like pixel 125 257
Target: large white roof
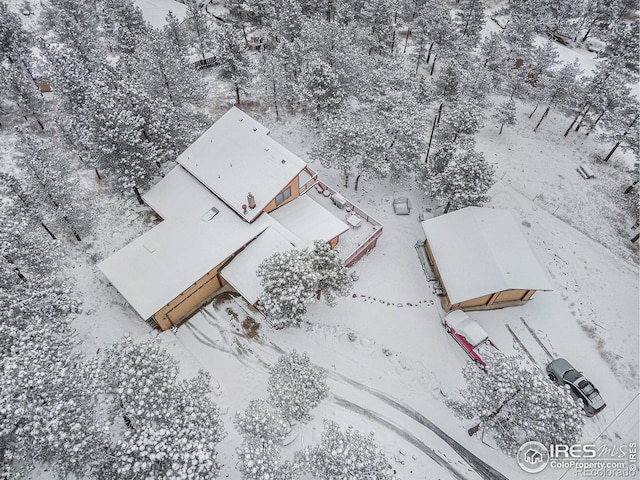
pixel 241 272
pixel 308 220
pixel 155 11
pixel 236 156
pixel 158 266
pixel 481 251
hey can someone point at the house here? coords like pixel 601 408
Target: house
pixel 235 198
pixel 482 260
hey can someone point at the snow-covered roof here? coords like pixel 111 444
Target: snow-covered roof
pixel 308 220
pixel 155 11
pixel 179 194
pixel 463 325
pixel 236 156
pixel 481 251
pixel 241 272
pixel 158 266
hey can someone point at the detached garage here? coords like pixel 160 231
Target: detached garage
pixel 482 259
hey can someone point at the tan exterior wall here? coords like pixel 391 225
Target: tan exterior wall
pixel 295 193
pixel 511 295
pixel 334 241
pixel 190 300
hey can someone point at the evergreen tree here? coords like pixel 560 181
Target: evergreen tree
pixel 471 21
pixel 333 276
pixel 320 89
pixel 464 180
pixel 260 460
pixel 289 285
pixel 296 387
pixel 262 422
pixel 560 88
pixel 505 114
pixel 14 39
pixel 19 87
pixel 123 24
pixel 232 58
pixel 200 29
pixel 344 455
pixel 517 403
pixel 170 426
pixel 50 184
pixel 174 32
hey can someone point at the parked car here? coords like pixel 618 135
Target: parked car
pixel 468 333
pixel 562 373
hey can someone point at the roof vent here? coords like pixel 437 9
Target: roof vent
pixel 251 201
pixel 240 119
pixel 255 129
pixel 283 161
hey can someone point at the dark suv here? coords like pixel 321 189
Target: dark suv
pixel 562 373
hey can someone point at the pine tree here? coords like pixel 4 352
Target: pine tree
pixel 345 455
pixel 123 24
pixel 463 182
pixel 289 285
pixel 432 33
pixel 19 87
pixel 517 403
pixel 334 280
pixel 200 29
pixel 260 460
pixel 471 21
pixel 174 32
pixel 319 88
pixel 170 426
pixel 505 114
pixel 50 184
pixel 296 387
pixel 14 39
pixel 232 57
pixel 262 422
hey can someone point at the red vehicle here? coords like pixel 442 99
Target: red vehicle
pixel 469 334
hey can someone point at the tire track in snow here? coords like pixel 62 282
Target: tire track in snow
pixel 400 432
pixel 483 469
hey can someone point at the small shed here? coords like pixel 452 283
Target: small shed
pixel 482 259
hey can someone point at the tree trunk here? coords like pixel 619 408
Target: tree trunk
pixel 597 120
pixel 630 187
pixel 39 122
pixel 635 239
pixel 433 65
pixel 541 119
pixel 615 147
pixel 406 40
pixel 433 127
pixel 138 196
pixel 501 127
pixel 97 174
pixel 429 52
pixel 439 113
pixel 356 185
pixel 237 94
pixel 575 120
pixel 474 429
pixel 534 111
pixel 447 207
pixel 48 231
pixel 275 99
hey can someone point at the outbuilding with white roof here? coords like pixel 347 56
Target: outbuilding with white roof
pixel 482 259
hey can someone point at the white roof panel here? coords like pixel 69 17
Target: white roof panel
pixel 241 272
pixel 158 266
pixel 179 194
pixel 236 156
pixel 308 220
pixel 155 11
pixel 481 251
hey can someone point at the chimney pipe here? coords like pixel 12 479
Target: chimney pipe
pixel 251 201
pixel 244 208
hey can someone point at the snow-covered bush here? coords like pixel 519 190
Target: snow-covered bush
pixel 259 420
pixel 345 455
pixel 517 403
pixel 296 387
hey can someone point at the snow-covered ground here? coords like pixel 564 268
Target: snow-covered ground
pixel 388 358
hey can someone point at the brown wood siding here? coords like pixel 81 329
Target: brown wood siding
pixel 474 302
pixel 527 296
pixel 189 300
pixel 510 296
pixel 334 241
pixel 295 193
